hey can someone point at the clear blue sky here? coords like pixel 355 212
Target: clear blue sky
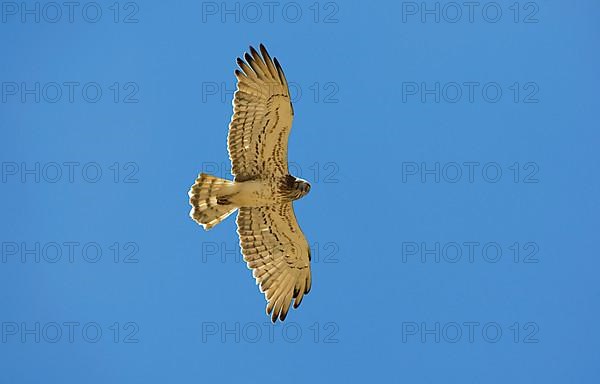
pixel 453 156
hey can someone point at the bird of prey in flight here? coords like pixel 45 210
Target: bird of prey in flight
pixel 262 190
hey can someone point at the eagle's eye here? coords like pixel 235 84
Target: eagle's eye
pixel 305 187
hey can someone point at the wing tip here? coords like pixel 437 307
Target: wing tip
pixel 264 52
pixel 297 302
pixel 283 315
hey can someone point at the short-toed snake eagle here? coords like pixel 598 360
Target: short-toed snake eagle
pixel 271 240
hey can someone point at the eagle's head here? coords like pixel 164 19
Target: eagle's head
pixel 302 187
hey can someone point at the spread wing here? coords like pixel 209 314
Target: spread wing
pixel 275 248
pixel 262 118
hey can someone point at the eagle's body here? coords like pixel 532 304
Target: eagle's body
pixel 259 193
pixel 272 243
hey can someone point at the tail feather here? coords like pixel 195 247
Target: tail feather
pixel 208 198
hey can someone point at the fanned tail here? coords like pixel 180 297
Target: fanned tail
pixel 209 200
